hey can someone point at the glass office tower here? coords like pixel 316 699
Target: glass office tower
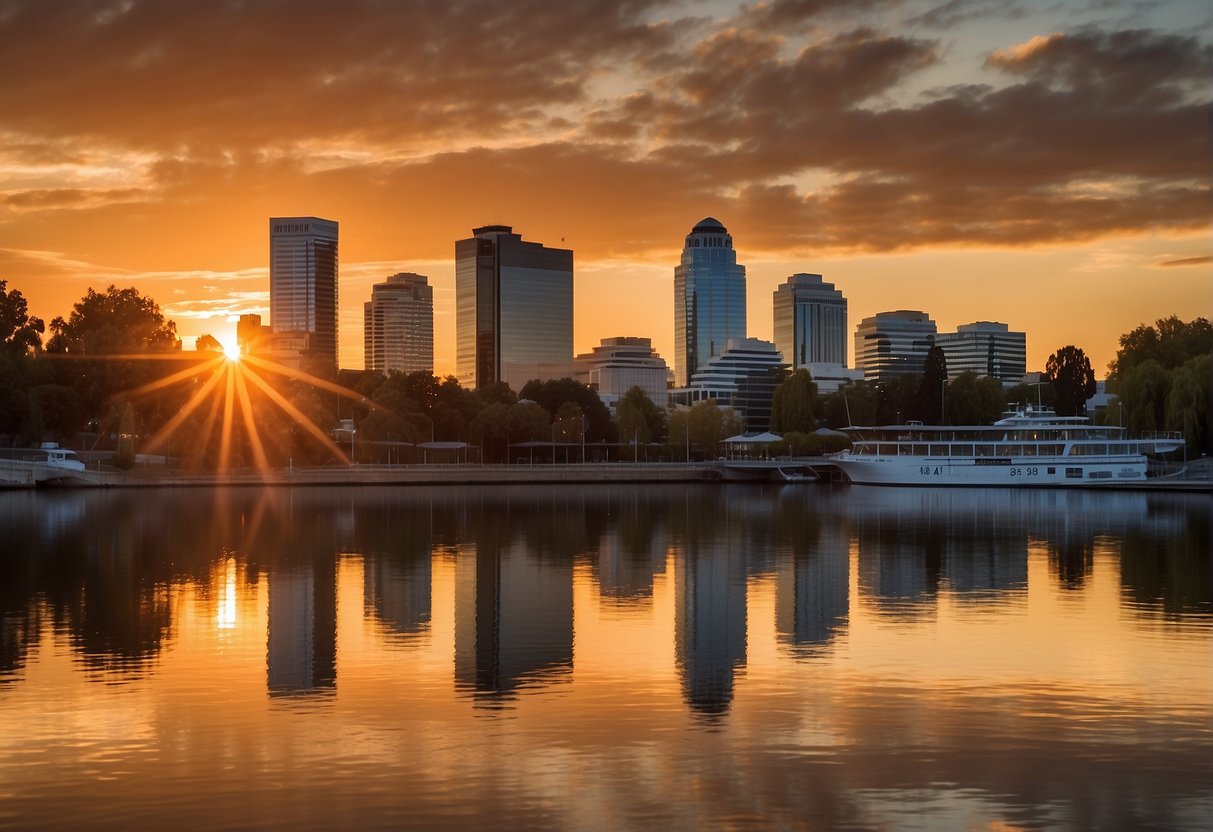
pixel 810 321
pixel 513 309
pixel 892 344
pixel 987 348
pixel 303 280
pixel 709 298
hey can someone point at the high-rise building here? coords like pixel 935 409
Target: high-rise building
pixel 810 321
pixel 398 325
pixel 303 281
pixel 709 298
pixel 513 309
pixel 987 348
pixel 744 377
pixel 891 344
pixel 619 364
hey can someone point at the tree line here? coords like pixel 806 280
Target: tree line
pixel 114 369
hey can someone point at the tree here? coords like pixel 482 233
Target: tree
pixel 1189 402
pixel 974 400
pixel 710 425
pixel 1073 380
pixel 1170 342
pixel 208 343
pixel 551 394
pixel 929 401
pixel 795 403
pixel 19 333
pixel 896 398
pixel 638 419
pixel 854 403
pixel 125 328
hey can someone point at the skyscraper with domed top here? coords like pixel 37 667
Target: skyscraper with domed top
pixel 709 298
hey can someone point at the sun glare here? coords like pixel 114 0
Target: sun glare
pixel 231 348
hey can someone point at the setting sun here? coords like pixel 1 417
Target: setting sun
pixel 231 347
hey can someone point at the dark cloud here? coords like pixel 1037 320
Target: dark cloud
pixel 780 15
pixel 599 121
pixel 1187 261
pixel 955 12
pixel 1116 69
pixel 168 74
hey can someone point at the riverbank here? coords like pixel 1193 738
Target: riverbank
pixel 1197 478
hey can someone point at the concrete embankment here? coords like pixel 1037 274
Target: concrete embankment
pixel 408 475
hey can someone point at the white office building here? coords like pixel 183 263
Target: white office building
pixel 619 364
pixel 398 325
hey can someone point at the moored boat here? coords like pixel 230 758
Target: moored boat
pixel 1025 447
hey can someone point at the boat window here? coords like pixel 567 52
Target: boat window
pixel 888 449
pixel 921 450
pixel 1028 450
pixel 962 450
pixel 983 450
pixel 1050 450
pixel 939 450
pixel 1074 473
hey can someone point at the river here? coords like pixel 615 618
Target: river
pixel 606 657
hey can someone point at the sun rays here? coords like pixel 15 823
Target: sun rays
pixel 234 386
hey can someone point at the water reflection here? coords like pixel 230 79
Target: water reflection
pixel 864 657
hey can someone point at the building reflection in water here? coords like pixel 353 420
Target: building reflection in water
pixel 301 655
pixel 513 616
pixel 812 592
pixel 709 602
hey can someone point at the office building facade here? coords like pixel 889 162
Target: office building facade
pixel 398 325
pixel 987 348
pixel 303 281
pixel 892 344
pixel 744 377
pixel 810 321
pixel 709 298
pixel 513 309
pixel 619 364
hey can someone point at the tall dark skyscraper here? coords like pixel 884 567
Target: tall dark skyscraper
pixel 303 281
pixel 513 309
pixel 709 298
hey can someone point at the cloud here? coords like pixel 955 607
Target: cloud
pixel 612 125
pixel 1186 261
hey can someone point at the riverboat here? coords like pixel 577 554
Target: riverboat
pixel 49 455
pixel 1025 447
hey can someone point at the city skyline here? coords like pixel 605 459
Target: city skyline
pixel 978 162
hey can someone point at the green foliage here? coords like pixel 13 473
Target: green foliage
pixel 796 443
pixel 19 333
pixel 638 419
pixel 929 400
pixel 896 399
pixel 1143 391
pixel 974 400
pixel 708 424
pixel 208 343
pixel 551 394
pixel 1190 402
pixel 795 404
pixel 1073 380
pixel 1170 342
pixel 853 404
pixel 1041 395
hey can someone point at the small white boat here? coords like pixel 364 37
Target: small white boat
pixel 1025 447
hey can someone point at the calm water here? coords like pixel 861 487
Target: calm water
pixel 606 657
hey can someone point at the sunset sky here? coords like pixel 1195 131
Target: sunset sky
pixel 1045 164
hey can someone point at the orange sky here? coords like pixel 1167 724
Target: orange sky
pixel 1044 167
